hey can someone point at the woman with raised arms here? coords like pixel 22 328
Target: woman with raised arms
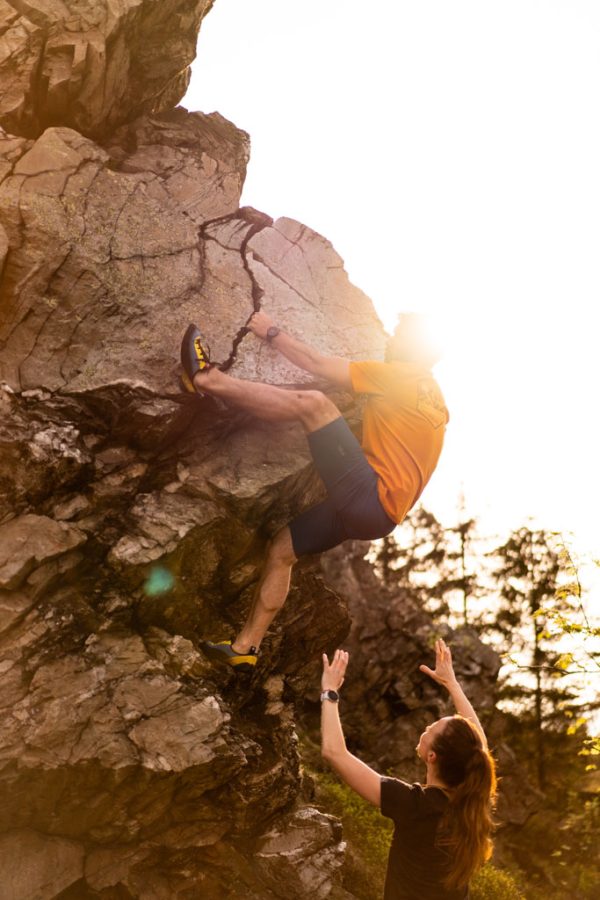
pixel 442 833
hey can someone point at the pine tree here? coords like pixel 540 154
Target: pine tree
pixel 529 576
pixel 441 567
pixel 414 558
pixel 466 580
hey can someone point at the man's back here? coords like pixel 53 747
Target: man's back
pixel 403 428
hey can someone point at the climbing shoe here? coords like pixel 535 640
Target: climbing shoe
pixel 194 357
pixel 223 652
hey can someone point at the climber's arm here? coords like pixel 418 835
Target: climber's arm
pixel 329 368
pixel 360 777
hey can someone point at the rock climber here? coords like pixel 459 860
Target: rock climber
pixel 442 832
pixel 370 488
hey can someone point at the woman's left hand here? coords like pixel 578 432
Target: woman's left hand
pixel 334 672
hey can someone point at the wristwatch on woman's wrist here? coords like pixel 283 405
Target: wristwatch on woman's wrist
pixel 330 695
pixel 272 333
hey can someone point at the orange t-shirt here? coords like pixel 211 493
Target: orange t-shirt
pixel 403 428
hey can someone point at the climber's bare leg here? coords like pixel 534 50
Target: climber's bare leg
pixel 271 592
pixel 273 404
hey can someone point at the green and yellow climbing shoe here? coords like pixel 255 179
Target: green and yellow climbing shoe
pixel 194 357
pixel 223 652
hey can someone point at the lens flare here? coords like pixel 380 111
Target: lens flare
pixel 159 581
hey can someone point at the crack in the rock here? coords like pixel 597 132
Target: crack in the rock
pixel 143 256
pixel 23 228
pixel 83 164
pixel 36 85
pixel 115 224
pixel 10 21
pixel 303 230
pixel 257 222
pixel 257 294
pixel 25 10
pixel 33 310
pixel 17 157
pixel 87 199
pixel 83 316
pixel 20 226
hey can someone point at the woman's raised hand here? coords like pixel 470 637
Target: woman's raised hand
pixel 334 672
pixel 444 671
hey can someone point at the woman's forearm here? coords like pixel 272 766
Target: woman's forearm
pixel 357 775
pixel 362 779
pixel 463 706
pixel 333 742
pixel 444 675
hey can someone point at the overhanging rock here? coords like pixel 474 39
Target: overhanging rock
pixel 92 65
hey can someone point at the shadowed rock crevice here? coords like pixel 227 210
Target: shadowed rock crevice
pixel 257 222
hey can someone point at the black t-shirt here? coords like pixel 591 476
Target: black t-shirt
pixel 416 867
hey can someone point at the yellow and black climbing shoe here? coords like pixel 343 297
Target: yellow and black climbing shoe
pixel 223 652
pixel 194 357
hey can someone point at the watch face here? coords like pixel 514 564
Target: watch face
pixel 331 695
pixel 272 332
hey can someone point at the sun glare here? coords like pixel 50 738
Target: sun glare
pixel 455 171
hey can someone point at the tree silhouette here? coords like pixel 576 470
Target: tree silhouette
pixel 528 576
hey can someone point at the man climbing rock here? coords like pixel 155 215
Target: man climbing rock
pixel 370 488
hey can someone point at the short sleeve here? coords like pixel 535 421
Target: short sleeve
pixel 372 377
pixel 398 798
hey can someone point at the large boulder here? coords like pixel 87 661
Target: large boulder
pixel 134 517
pixel 112 251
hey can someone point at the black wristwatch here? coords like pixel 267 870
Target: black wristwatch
pixel 272 333
pixel 330 695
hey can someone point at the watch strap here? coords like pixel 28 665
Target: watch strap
pixel 333 696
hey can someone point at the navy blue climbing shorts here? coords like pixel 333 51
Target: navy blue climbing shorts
pixel 352 508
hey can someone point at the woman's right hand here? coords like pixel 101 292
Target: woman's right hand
pixel 334 672
pixel 444 671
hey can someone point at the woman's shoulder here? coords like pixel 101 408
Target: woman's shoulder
pixel 400 799
pixel 436 797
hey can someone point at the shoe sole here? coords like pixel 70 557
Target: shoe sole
pixel 196 360
pixel 186 383
pixel 217 657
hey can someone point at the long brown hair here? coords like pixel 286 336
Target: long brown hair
pixel 467 768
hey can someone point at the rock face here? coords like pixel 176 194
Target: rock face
pixel 133 518
pixel 93 64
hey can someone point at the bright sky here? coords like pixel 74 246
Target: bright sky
pixel 451 153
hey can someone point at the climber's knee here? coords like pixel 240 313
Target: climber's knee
pixel 281 550
pixel 316 409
